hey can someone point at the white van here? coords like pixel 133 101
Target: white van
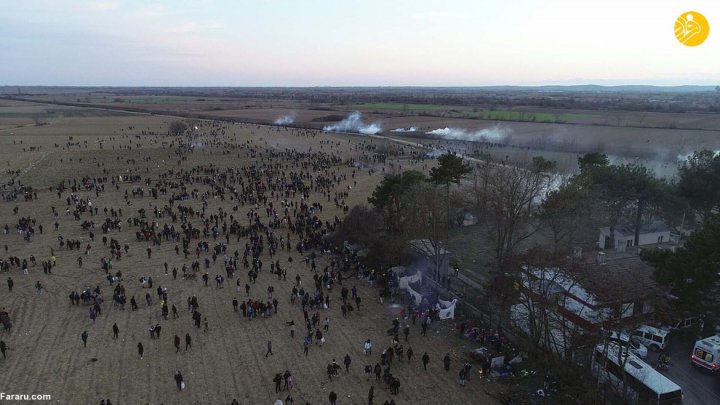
pixel 636 347
pixel 706 354
pixel 655 339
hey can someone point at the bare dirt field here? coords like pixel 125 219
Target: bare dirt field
pixel 46 353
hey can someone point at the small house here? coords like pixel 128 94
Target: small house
pixel 622 237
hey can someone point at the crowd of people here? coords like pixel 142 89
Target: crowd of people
pixel 266 215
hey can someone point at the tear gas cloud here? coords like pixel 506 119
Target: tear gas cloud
pixel 354 123
pixel 285 119
pixel 411 129
pixel 495 134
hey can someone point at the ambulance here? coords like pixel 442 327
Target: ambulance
pixel 706 354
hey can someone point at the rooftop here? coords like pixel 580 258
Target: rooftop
pixel 629 230
pixel 619 278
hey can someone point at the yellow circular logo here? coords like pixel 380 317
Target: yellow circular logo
pixel 691 28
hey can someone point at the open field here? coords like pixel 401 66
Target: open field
pixel 656 137
pixel 47 355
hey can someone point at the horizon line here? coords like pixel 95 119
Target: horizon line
pixel 361 86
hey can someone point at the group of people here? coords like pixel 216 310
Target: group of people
pixel 282 192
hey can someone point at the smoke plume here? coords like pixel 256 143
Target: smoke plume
pixel 353 123
pixel 285 119
pixel 411 129
pixel 495 134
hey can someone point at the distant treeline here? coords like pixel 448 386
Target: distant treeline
pixel 630 98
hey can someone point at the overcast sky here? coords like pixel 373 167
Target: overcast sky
pixel 353 42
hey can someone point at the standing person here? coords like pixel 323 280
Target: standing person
pixel 188 341
pixel 406 332
pixel 84 337
pixel 367 347
pixel 93 315
pixel 10 283
pixel 176 343
pixel 446 362
pixel 178 380
pixel 463 376
pixel 3 348
pixel 277 380
pixel 141 350
pixel 269 349
pixel 424 328
pixel 235 304
pixel 333 398
pixel 425 360
pixel 116 331
pixel 409 353
pixel 347 362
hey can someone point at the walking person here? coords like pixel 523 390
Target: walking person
pixel 463 376
pixel 347 362
pixel 425 360
pixel 141 349
pixel 371 394
pixel 179 380
pixel 333 398
pixel 84 337
pixel 188 341
pixel 3 348
pixel 176 343
pixel 269 349
pixel 446 362
pixel 10 283
pixel 116 331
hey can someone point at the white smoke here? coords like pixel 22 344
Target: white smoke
pixel 353 123
pixel 285 119
pixel 411 129
pixel 683 157
pixel 495 134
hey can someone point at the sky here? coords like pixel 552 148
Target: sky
pixel 353 43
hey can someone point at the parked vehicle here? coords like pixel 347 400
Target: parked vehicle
pixel 685 323
pixel 655 339
pixel 629 374
pixel 706 354
pixel 632 344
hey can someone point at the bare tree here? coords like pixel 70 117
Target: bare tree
pixel 426 222
pixel 511 195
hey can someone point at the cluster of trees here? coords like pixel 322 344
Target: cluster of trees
pixel 515 203
pixel 417 207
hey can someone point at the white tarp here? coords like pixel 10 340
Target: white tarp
pixel 446 309
pixel 407 280
pixel 445 304
pixel 404 284
pixel 417 298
